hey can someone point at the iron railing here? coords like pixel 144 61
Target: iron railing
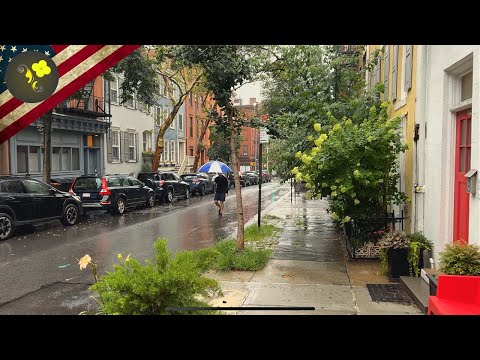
pixel 93 106
pixel 366 232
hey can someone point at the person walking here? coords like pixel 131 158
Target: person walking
pixel 221 190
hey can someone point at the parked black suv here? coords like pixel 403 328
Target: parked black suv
pixel 114 193
pixel 25 201
pixel 167 185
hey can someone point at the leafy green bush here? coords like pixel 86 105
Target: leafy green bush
pixel 460 259
pixel 146 167
pixel 418 242
pixel 135 289
pixel 224 256
pixel 254 233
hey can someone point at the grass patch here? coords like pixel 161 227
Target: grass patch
pixel 224 256
pixel 254 233
pixel 271 217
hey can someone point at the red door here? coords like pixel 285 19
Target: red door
pixel 462 166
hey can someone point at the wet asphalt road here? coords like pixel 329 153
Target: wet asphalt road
pixel 48 254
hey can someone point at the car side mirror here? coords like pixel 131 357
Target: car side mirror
pixel 142 184
pixel 52 191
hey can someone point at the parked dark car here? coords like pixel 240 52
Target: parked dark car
pixel 253 177
pixel 199 183
pixel 167 185
pixel 25 201
pixel 114 193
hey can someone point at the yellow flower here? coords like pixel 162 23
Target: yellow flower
pixel 310 137
pixel 295 170
pixel 84 261
pixel 323 137
pixel 356 201
pixel 119 257
pixel 356 173
pixel 317 127
pixel 333 187
pixel 324 185
pixel 315 151
pixel 343 189
pixel 348 122
pixel 298 154
pixel 337 127
pixel 346 219
pixel 333 194
pixel 41 68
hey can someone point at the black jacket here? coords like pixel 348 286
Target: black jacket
pixel 222 184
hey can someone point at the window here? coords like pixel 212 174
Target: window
pixel 28 157
pixel 147 141
pixel 56 158
pixel 191 99
pixel 467 81
pixel 191 126
pixel 114 98
pixel 66 158
pixel 131 146
pixel 36 187
pixel 116 145
pixel 245 149
pixel 75 159
pixel 133 181
pixel 180 122
pixel 22 159
pixel 166 153
pixel 15 187
pixel 158 115
pixel 172 152
pixel 191 151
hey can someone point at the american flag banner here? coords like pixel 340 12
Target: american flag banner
pixel 77 65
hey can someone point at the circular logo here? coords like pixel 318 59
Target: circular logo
pixel 31 76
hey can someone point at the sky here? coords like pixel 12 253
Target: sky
pixel 248 91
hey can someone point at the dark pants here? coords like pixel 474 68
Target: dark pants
pixel 219 196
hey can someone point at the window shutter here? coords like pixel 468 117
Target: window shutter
pixel 136 147
pixel 121 147
pixel 109 146
pixel 386 72
pixel 408 67
pixel 394 72
pixel 125 142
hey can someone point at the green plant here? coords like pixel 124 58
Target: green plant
pixel 460 259
pixel 224 256
pixel 392 240
pixel 418 242
pixel 146 167
pixel 255 233
pixel 148 153
pixel 135 289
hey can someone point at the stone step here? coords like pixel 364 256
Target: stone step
pixel 418 290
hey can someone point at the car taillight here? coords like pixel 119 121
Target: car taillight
pixel 196 180
pixel 105 190
pixel 71 188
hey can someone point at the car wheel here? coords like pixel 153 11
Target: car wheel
pixel 6 226
pixel 120 206
pixel 202 190
pixel 150 200
pixel 187 193
pixel 169 197
pixel 70 215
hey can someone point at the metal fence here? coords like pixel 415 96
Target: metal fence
pixel 362 235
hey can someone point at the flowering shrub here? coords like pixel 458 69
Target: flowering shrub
pixel 354 163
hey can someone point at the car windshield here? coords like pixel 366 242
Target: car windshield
pixel 88 184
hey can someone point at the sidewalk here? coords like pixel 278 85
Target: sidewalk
pixel 308 268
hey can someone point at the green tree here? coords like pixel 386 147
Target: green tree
pixel 227 67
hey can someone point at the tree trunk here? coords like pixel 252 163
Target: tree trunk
pixel 47 146
pixel 161 134
pixel 200 140
pixel 238 191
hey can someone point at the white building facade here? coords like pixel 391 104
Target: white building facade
pixel 447 153
pixel 130 134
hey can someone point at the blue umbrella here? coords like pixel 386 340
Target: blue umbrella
pixel 215 166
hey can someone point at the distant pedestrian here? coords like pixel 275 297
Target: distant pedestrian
pixel 221 190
